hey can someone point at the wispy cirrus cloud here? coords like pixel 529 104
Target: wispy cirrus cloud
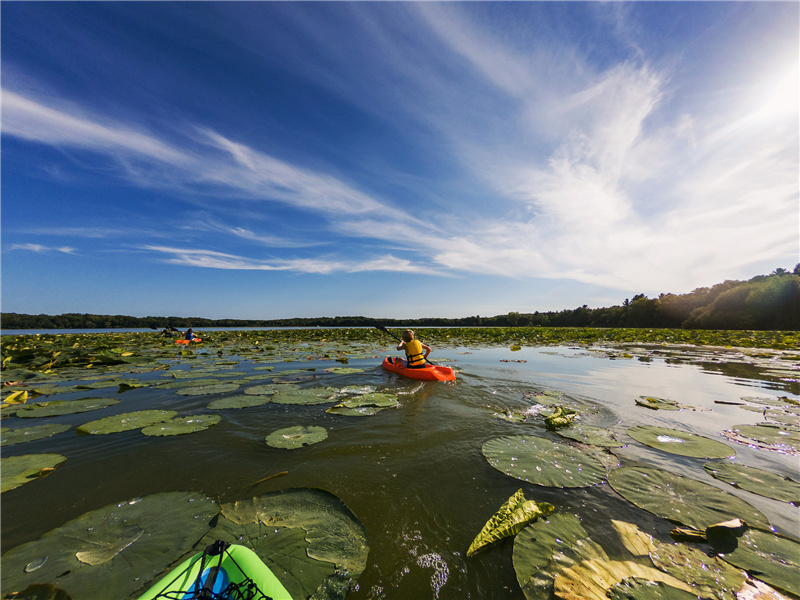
pixel 40 249
pixel 211 259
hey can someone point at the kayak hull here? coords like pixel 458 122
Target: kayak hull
pixel 187 342
pixel 427 373
pixel 239 565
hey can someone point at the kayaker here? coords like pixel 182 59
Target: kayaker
pixel 189 334
pixel 414 355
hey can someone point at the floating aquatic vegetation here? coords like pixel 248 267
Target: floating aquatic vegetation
pixel 54 408
pixel 779 438
pixel 561 417
pixel 681 499
pixel 9 437
pixel 344 370
pixel 296 437
pixel 510 518
pixel 19 470
pixel 203 390
pixel 364 405
pixel 654 403
pixel 239 401
pixel 113 551
pixel 265 389
pixel 126 421
pixel 308 538
pixel 680 442
pixel 757 481
pixel 182 425
pixel 303 396
pixel 538 460
pixel 588 434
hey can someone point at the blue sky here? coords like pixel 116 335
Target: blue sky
pixel 267 159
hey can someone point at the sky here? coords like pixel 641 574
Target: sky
pixel 266 160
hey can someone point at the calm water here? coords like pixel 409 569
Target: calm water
pixel 415 476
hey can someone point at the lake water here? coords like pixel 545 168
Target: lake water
pixel 415 476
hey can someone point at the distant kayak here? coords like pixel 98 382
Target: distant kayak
pixel 428 373
pixel 223 571
pixel 188 341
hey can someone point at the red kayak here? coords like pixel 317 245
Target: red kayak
pixel 428 373
pixel 187 341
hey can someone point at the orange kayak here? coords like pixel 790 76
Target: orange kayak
pixel 427 373
pixel 188 341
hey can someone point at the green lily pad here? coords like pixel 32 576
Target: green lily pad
pixel 239 401
pixel 120 547
pixel 561 417
pixel 266 389
pixel 359 411
pixel 126 421
pixel 772 558
pixel 538 460
pixel 344 370
pixel 766 435
pixel 680 499
pixel 296 437
pixel 643 589
pixel 757 481
pixel 182 425
pixel 680 442
pixel 202 390
pixel 593 579
pixel 303 396
pixel 588 434
pixel 40 591
pixel 18 470
pixel 9 437
pixel 376 399
pixel 307 537
pixel 654 403
pixel 545 547
pixel 54 408
pixel 511 517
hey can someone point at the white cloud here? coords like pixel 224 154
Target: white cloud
pixel 41 249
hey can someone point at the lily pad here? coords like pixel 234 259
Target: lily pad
pixel 307 537
pixel 592 579
pixel 588 434
pixel 680 442
pixel 296 437
pixel 303 396
pixel 9 437
pixel 642 589
pixel 766 435
pixel 680 499
pixel 367 404
pixel 54 408
pixel 18 470
pixel 757 481
pixel 545 547
pixel 239 401
pixel 182 425
pixel 344 370
pixel 561 417
pixel 265 389
pixel 538 460
pixel 126 421
pixel 113 551
pixel 654 403
pixel 772 558
pixel 511 517
pixel 202 390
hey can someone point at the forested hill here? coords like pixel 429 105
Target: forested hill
pixel 765 302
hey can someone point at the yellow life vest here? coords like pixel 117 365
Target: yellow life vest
pixel 414 354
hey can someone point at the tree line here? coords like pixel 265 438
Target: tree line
pixel 765 302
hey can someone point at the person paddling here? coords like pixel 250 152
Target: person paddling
pixel 415 358
pixel 189 335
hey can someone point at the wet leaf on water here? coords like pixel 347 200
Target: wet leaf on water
pixel 39 591
pixel 303 396
pixel 18 397
pixel 265 389
pixel 560 417
pixel 124 546
pixel 239 401
pixel 770 557
pixel 344 370
pixel 126 421
pixel 757 481
pixel 296 437
pixel 9 437
pixel 182 425
pixel 307 537
pixel 588 434
pixel 679 442
pixel 510 518
pixel 19 470
pixel 54 408
pixel 642 589
pixel 202 390
pixel 778 438
pixel 540 461
pixel 681 499
pixel 592 579
pixel 654 403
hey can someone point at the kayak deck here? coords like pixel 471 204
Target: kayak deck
pixel 222 571
pixel 427 373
